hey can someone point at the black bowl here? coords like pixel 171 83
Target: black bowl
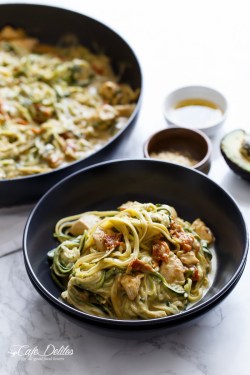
pixel 49 24
pixel 107 185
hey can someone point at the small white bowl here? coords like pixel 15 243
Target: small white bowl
pixel 195 92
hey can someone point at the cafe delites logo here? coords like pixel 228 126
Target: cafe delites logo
pixel 49 353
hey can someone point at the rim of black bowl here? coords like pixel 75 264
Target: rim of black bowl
pixel 129 120
pixel 137 324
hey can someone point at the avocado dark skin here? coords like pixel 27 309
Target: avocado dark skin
pixel 235 148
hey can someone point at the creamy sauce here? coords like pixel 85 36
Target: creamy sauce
pixel 210 277
pixel 196 113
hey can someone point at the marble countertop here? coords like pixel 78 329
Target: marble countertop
pixel 177 43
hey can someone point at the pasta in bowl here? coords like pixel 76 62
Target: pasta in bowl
pixel 139 262
pixel 69 95
pixel 58 104
pixel 101 251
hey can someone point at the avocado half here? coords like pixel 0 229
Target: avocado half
pixel 235 148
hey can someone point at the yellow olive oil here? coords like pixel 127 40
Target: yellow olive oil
pixel 196 113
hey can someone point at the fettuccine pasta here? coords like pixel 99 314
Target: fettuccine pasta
pixel 58 104
pixel 138 262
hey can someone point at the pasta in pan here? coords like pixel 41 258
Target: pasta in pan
pixel 138 262
pixel 58 104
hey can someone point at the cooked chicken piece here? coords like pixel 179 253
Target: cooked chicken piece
pixel 99 239
pixel 26 44
pixel 160 251
pixel 8 33
pixel 109 89
pixel 131 284
pixel 203 231
pixel 112 240
pixel 106 112
pixel 101 65
pixel 70 148
pixel 189 258
pixel 187 239
pixel 106 240
pixel 125 109
pixel 85 222
pixel 139 265
pixel 54 158
pixel 173 270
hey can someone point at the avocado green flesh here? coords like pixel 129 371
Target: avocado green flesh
pixel 231 148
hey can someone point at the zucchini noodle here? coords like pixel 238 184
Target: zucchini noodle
pixel 58 104
pixel 138 262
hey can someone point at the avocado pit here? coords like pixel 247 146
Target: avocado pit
pixel 235 148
